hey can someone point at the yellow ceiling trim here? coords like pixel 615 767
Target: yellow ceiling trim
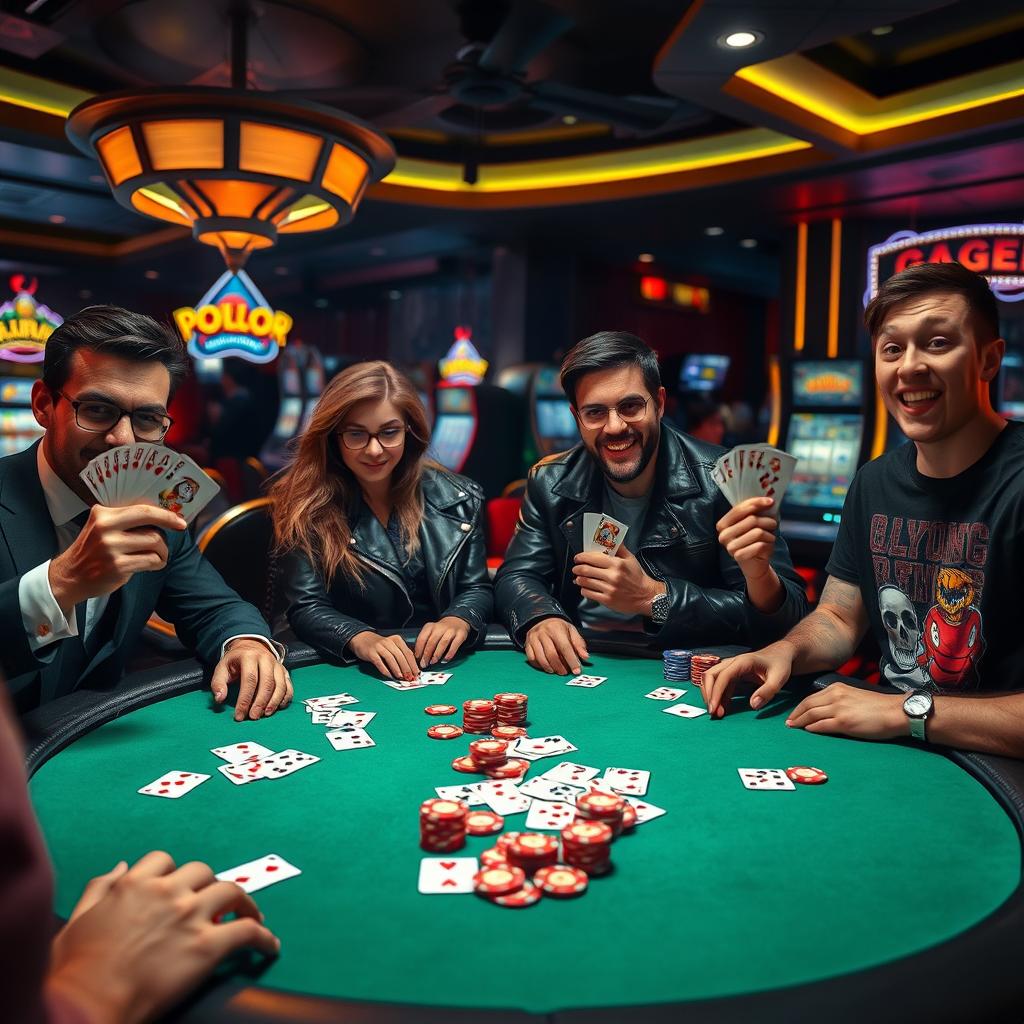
pixel 811 87
pixel 623 165
pixel 34 93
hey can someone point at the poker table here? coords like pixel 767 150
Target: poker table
pixel 892 892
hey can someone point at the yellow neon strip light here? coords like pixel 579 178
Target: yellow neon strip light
pixel 833 290
pixel 881 425
pixel 800 313
pixel 811 87
pixel 750 144
pixel 775 394
pixel 21 90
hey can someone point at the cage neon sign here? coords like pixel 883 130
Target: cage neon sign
pixel 25 325
pixel 233 319
pixel 996 251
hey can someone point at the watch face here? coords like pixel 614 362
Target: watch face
pixel 917 704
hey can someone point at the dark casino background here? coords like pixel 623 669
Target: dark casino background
pixel 468 187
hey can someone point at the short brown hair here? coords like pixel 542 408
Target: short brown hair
pixel 925 278
pixel 608 350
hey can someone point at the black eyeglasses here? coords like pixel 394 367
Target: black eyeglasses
pixel 100 417
pixel 355 439
pixel 629 410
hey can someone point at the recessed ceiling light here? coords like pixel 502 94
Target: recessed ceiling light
pixel 569 119
pixel 748 243
pixel 56 218
pixel 881 30
pixel 151 275
pixel 714 231
pixel 740 40
pixel 646 257
pixel 320 303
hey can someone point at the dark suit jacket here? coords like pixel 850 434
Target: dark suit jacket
pixel 188 591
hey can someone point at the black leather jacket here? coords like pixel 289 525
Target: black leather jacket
pixel 678 544
pixel 454 557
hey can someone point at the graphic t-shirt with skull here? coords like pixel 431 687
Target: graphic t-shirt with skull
pixel 939 563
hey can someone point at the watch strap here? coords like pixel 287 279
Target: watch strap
pixel 917 728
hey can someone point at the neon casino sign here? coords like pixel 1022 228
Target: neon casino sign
pixel 233 319
pixel 463 364
pixel 996 251
pixel 25 325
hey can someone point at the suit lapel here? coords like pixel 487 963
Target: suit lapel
pixel 24 518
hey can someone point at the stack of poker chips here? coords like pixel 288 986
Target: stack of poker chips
pixel 490 757
pixel 505 885
pixel 443 825
pixel 483 823
pixel 699 663
pixel 508 732
pixel 606 807
pixel 531 851
pixel 479 716
pixel 511 708
pixel 588 845
pixel 489 753
pixel 677 665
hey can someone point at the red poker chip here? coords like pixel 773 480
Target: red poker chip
pixel 444 732
pixel 441 709
pixel 807 776
pixel 498 880
pixel 507 732
pixel 524 897
pixel 495 855
pixel 587 833
pixel 506 839
pixel 561 880
pixel 531 845
pixel 629 817
pixel 514 768
pixel 466 765
pixel 484 823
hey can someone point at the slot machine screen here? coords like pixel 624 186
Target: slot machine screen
pixel 454 402
pixel 703 372
pixel 826 446
pixel 555 419
pixel 288 418
pixel 831 382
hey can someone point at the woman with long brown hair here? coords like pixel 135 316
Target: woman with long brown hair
pixel 374 536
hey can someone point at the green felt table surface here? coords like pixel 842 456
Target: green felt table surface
pixel 730 892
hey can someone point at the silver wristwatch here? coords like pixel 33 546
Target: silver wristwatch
pixel 918 707
pixel 659 609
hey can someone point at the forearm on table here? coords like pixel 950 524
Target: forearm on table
pixel 990 725
pixel 821 642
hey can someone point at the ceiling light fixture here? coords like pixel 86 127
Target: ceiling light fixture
pixel 646 257
pixel 714 231
pixel 740 40
pixel 748 243
pixel 240 168
pixel 881 30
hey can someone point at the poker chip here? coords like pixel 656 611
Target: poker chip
pixel 699 664
pixel 807 776
pixel 495 855
pixel 443 825
pixel 483 823
pixel 466 765
pixel 587 845
pixel 510 708
pixel 513 768
pixel 629 817
pixel 508 732
pixel 444 732
pixel 532 850
pixel 441 709
pixel 489 753
pixel 607 807
pixel 561 880
pixel 498 880
pixel 676 665
pixel 479 715
pixel 506 839
pixel 524 897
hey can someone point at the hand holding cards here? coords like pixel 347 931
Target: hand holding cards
pixel 754 471
pixel 149 474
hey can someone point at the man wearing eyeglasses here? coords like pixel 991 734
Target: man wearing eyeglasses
pixel 691 572
pixel 78 580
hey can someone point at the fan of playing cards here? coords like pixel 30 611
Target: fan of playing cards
pixel 149 474
pixel 754 471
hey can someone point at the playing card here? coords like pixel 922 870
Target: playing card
pixel 442 875
pixel 503 797
pixel 234 753
pixel 724 484
pixel 333 701
pixel 567 771
pixel 258 874
pixel 586 681
pixel 765 779
pixel 628 781
pixel 360 719
pixel 644 810
pixel 533 749
pixel 602 532
pixel 601 785
pixel 544 815
pixel 244 772
pixel 551 789
pixel 349 738
pixel 471 794
pixel 434 678
pixel 179 485
pixel 685 711
pixel 665 693
pixel 322 717
pixel 773 476
pixel 405 684
pixel 283 763
pixel 172 785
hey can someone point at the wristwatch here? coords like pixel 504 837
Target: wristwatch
pixel 918 707
pixel 659 609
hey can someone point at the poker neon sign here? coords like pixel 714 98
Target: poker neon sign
pixel 463 364
pixel 996 251
pixel 233 319
pixel 25 324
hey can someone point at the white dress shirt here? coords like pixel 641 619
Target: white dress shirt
pixel 42 617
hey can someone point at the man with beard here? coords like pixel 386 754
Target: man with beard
pixel 692 570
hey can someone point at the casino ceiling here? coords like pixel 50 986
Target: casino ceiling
pixel 594 117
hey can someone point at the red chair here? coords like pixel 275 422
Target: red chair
pixel 502 516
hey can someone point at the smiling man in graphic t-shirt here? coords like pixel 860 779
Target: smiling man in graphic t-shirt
pixel 929 553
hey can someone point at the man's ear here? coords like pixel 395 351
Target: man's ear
pixel 992 358
pixel 42 404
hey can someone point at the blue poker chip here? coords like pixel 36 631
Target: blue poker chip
pixel 679 652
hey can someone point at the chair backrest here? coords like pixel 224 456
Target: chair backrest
pixel 502 515
pixel 239 545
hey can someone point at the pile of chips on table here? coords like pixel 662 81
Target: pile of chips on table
pixel 676 665
pixel 506 709
pixel 490 757
pixel 699 663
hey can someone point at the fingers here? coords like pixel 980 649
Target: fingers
pixel 387 661
pixel 775 677
pixel 240 933
pixel 222 676
pixel 405 657
pixel 248 680
pixel 267 685
pixel 195 875
pixel 154 864
pixel 142 515
pixel 426 654
pixel 544 649
pixel 719 683
pixel 441 645
pixel 458 639
pixel 421 640
pixel 97 888
pixel 579 645
pixel 740 511
pixel 217 898
pixel 281 683
pixel 566 654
